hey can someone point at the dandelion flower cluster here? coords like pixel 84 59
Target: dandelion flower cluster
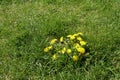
pixel 72 47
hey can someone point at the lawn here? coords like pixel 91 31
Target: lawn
pixel 26 26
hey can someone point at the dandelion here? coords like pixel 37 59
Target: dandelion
pixel 69 51
pixel 79 38
pixel 75 58
pixel 81 50
pixel 80 33
pixel 63 50
pixel 71 37
pixel 49 47
pixel 83 43
pixel 61 39
pixel 76 45
pixel 54 57
pixel 53 41
pixel 46 49
pixel 75 35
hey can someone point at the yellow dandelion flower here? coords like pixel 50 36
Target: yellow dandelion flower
pixel 81 50
pixel 75 58
pixel 46 49
pixel 54 57
pixel 75 35
pixel 72 37
pixel 69 51
pixel 53 41
pixel 49 47
pixel 63 50
pixel 61 39
pixel 79 38
pixel 69 35
pixel 80 33
pixel 83 43
pixel 76 45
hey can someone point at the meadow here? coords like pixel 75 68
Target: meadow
pixel 26 26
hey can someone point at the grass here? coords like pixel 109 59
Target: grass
pixel 27 26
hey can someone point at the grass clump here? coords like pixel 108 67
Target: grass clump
pixel 67 48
